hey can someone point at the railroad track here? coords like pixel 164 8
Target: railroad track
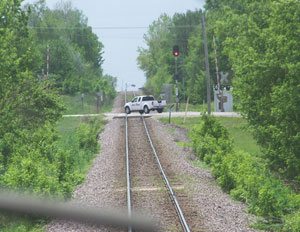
pixel 147 182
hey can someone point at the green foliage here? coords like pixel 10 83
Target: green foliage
pixel 39 163
pixel 252 183
pixel 214 139
pixel 257 45
pixel 46 164
pixel 157 61
pixel 292 222
pixel 260 40
pixel 149 60
pixel 88 135
pixel 75 52
pixel 31 164
pixel 33 158
pixel 246 177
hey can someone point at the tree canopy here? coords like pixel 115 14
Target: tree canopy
pixel 258 46
pixel 30 156
pixel 75 51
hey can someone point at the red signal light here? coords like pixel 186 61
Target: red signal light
pixel 176 50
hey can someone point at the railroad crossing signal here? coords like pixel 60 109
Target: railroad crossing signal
pixel 176 50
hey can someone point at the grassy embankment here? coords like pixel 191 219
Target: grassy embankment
pixel 237 127
pixel 67 126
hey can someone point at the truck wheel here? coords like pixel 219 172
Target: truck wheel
pixel 146 109
pixel 127 110
pixel 141 111
pixel 160 110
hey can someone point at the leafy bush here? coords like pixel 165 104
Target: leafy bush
pixel 292 222
pixel 43 163
pixel 214 138
pixel 251 182
pixel 88 135
pixel 36 163
pixel 246 177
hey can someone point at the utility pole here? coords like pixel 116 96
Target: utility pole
pixel 218 76
pixel 206 64
pixel 48 61
pixel 183 77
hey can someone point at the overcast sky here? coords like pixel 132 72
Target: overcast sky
pixel 120 45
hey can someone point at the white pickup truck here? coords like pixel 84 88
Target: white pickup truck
pixel 144 104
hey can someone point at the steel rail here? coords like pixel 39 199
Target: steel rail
pixel 128 177
pixel 171 192
pixel 127 171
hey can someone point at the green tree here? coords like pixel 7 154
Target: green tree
pixel 75 52
pixel 260 40
pixel 157 60
pixel 154 60
pixel 25 105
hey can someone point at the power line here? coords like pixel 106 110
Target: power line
pixel 109 28
pixel 82 28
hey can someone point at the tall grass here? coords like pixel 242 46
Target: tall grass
pixel 73 104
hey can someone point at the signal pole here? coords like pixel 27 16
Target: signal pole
pixel 176 76
pixel 176 53
pixel 206 64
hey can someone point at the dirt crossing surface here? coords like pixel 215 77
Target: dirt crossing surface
pixel 204 205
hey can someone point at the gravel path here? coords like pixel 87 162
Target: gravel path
pixel 212 210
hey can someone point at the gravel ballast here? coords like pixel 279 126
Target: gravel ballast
pixel 105 182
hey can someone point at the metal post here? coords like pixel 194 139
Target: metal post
pixel 125 93
pixel 206 64
pixel 176 76
pixel 43 74
pixel 170 110
pixel 82 97
pixel 98 108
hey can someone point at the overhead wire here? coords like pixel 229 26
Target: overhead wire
pixel 108 28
